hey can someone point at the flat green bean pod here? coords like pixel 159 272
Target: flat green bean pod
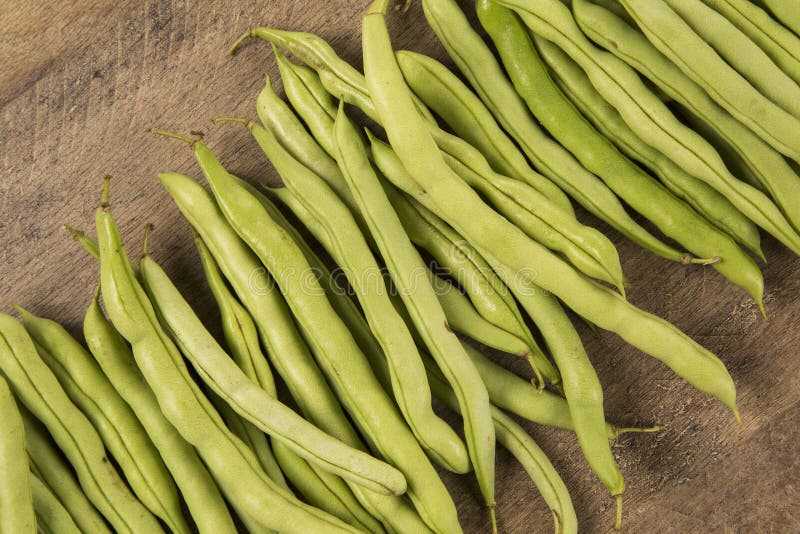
pixel 476 61
pixel 49 465
pixel 643 193
pixel 16 503
pixel 122 433
pixel 649 117
pixel 786 11
pixel 487 231
pixel 676 39
pixel 37 388
pixel 199 491
pixel 256 405
pixel 770 168
pixel 779 43
pixel 334 347
pixel 702 197
pixel 290 357
pixel 535 462
pixel 320 488
pixel 741 53
pixel 331 222
pixel 51 516
pixel 233 465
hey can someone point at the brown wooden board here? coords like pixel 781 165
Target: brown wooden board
pixel 82 80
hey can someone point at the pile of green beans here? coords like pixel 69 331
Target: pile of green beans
pixel 450 219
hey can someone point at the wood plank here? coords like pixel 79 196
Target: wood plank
pixel 82 81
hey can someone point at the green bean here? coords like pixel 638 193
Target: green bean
pixel 320 488
pixel 122 434
pixel 649 117
pixel 634 49
pixel 741 53
pixel 199 491
pixel 488 231
pixel 16 505
pixel 463 318
pixel 318 207
pixel 486 76
pixel 535 462
pixel 51 516
pixel 234 467
pixel 48 464
pixel 334 347
pixel 37 388
pixel 87 242
pixel 643 193
pixel 702 197
pixel 675 38
pixel 585 248
pixel 405 264
pixel 290 356
pixel 779 43
pixel 786 11
pixel 256 405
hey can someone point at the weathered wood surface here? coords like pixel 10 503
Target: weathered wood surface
pixel 80 83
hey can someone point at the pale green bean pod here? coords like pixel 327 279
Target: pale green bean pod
pixel 16 503
pixel 51 516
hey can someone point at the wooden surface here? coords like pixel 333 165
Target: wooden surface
pixel 82 80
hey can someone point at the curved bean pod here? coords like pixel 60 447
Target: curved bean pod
pixel 51 516
pixel 675 38
pixel 649 117
pixel 644 194
pixel 333 345
pixel 290 357
pixel 37 387
pixel 122 433
pixel 217 369
pixel 48 464
pixel 16 503
pixel 702 197
pixel 633 48
pixel 779 43
pixel 488 231
pixel 199 491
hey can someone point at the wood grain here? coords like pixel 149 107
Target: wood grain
pixel 82 81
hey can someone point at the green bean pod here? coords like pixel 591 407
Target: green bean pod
pixel 786 11
pixel 741 53
pixel 122 433
pixel 488 231
pixel 290 357
pixel 633 48
pixel 51 515
pixel 702 197
pixel 779 43
pixel 49 465
pixel 673 217
pixel 334 347
pixel 199 491
pixel 405 265
pixel 16 503
pixel 676 39
pixel 234 467
pixel 535 462
pixel 464 319
pixel 321 489
pixel 476 61
pixel 256 405
pixel 649 117
pixel 37 388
